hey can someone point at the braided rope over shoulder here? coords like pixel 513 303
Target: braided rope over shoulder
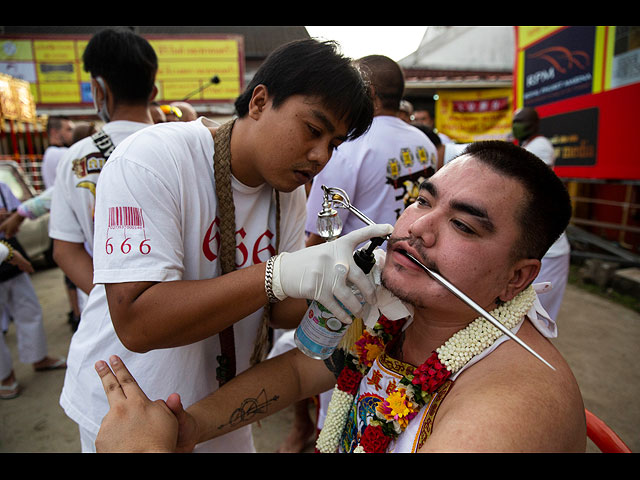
pixel 226 207
pixel 226 214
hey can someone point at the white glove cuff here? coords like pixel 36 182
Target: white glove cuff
pixel 272 279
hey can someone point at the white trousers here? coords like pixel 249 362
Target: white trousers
pixel 19 300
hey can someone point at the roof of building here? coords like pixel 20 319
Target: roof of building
pixel 461 57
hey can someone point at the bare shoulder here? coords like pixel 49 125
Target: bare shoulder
pixel 512 402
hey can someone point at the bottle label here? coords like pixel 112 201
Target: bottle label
pixel 320 331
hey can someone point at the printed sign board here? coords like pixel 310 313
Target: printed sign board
pixel 53 67
pixel 584 82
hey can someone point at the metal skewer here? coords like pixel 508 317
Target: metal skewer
pixel 339 198
pixel 452 288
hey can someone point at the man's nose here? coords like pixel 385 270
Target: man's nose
pixel 425 227
pixel 320 155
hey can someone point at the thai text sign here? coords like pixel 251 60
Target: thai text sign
pixel 472 115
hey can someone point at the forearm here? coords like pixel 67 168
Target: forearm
pixel 75 262
pixel 288 313
pixel 260 392
pixel 149 316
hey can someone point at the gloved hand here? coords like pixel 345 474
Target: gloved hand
pixel 325 272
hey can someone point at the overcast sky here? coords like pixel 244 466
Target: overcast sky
pixel 358 41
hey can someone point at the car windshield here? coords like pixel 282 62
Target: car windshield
pixel 9 176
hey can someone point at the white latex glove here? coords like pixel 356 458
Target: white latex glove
pixel 324 272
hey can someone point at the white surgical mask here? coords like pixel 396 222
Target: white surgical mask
pixel 102 111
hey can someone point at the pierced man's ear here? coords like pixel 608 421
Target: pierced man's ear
pixel 524 273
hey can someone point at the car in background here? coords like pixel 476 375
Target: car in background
pixel 33 234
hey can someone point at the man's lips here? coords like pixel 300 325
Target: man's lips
pixel 399 247
pixel 303 175
pixel 400 259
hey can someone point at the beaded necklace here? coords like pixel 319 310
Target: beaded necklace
pixel 413 390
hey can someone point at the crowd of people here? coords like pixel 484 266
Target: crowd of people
pixel 190 252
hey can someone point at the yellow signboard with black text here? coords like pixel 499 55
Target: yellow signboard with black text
pixel 53 67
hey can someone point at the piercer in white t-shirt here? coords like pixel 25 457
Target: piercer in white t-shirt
pixel 161 302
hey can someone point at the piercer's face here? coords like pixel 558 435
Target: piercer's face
pixel 463 226
pixel 296 140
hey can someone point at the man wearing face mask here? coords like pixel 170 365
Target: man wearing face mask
pixel 123 67
pixel 555 263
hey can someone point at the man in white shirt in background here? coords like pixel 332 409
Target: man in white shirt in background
pixel 60 133
pixel 555 263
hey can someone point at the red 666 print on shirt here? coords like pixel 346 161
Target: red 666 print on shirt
pixel 130 222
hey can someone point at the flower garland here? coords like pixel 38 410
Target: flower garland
pixel 413 390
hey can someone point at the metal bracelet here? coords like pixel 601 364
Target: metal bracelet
pixel 268 280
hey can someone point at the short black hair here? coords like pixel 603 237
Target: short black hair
pixel 55 122
pixel 313 68
pixel 386 77
pixel 547 210
pixel 433 136
pixel 125 60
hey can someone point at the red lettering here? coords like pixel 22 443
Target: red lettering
pixel 268 247
pixel 145 248
pixel 206 244
pixel 241 246
pixel 211 245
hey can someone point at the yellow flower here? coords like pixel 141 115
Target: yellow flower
pixel 398 407
pixel 373 351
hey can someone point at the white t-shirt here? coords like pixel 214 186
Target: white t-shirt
pixel 50 160
pixel 73 200
pixel 156 220
pixel 381 172
pixel 542 148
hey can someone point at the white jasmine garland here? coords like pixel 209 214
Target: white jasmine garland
pixel 337 412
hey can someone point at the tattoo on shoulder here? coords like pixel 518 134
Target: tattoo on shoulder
pixel 249 408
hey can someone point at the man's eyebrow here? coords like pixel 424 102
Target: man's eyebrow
pixel 321 117
pixel 479 212
pixel 429 187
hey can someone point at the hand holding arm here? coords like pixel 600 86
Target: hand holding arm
pixel 134 423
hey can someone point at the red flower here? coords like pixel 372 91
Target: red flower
pixel 431 374
pixel 391 327
pixel 349 381
pixel 374 440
